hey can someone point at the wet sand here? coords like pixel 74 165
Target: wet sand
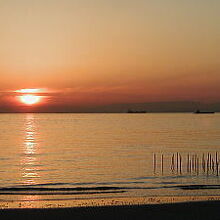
pixel 121 208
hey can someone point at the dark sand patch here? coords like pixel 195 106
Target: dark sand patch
pixel 178 211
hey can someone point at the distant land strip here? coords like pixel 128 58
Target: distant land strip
pixel 148 107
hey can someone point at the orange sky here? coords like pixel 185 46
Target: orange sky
pixel 101 52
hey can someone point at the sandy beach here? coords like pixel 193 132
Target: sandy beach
pixel 120 208
pixel 186 210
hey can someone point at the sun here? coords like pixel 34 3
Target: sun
pixel 30 99
pixel 30 96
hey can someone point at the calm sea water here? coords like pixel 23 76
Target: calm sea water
pixel 70 156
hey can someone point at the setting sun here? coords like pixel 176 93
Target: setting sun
pixel 30 99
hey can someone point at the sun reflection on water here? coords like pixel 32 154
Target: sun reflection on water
pixel 30 161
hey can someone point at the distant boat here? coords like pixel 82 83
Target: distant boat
pixel 203 112
pixel 131 111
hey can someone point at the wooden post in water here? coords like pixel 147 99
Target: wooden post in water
pixel 162 163
pixel 172 163
pixel 193 162
pixel 177 161
pixel 207 162
pixel 196 167
pixel 197 164
pixel 208 158
pixel 216 160
pixel 187 165
pixel 213 165
pixel 190 163
pixel 155 162
pixel 203 162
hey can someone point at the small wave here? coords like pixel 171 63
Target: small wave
pixel 79 184
pixel 103 188
pixel 41 189
pixel 167 183
pixel 60 193
pixel 198 187
pixel 61 184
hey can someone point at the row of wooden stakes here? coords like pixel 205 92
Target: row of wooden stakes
pixel 193 163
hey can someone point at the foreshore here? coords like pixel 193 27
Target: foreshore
pixel 123 208
pixel 37 203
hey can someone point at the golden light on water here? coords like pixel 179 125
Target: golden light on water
pixel 29 162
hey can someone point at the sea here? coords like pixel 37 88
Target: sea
pixel 65 156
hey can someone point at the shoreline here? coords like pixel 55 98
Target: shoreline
pixel 32 203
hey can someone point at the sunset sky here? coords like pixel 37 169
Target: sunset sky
pixel 89 53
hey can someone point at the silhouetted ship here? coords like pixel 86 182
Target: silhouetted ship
pixel 203 112
pixel 131 111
